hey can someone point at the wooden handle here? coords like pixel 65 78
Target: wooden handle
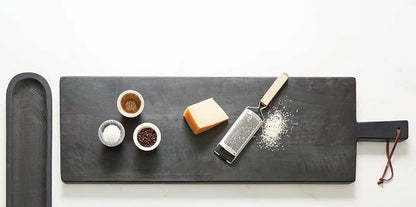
pixel 274 88
pixel 382 131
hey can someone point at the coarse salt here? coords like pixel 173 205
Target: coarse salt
pixel 111 134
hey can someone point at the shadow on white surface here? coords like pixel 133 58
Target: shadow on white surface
pixel 379 148
pixel 214 191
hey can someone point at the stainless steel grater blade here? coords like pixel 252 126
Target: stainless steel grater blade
pixel 246 125
pixel 239 135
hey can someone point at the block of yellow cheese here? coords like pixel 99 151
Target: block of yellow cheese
pixel 204 115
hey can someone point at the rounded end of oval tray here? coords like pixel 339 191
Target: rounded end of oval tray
pixel 29 132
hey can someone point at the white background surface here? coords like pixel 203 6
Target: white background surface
pixel 374 41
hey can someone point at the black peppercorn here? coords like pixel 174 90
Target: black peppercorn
pixel 147 137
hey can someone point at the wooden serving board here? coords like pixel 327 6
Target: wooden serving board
pixel 29 142
pixel 320 145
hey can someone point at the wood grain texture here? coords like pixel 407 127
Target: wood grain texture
pixel 274 89
pixel 29 133
pixel 321 149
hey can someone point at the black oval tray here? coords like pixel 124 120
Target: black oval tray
pixel 29 132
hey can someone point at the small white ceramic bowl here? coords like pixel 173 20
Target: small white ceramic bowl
pixel 143 126
pixel 135 95
pixel 104 125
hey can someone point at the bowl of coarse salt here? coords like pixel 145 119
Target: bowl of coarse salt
pixel 111 133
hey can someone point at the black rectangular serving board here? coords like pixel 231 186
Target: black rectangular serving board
pixel 321 146
pixel 29 141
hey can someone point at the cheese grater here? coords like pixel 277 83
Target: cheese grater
pixel 247 124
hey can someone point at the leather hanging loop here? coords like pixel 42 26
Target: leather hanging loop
pixel 389 155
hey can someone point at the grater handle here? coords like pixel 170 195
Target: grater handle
pixel 274 88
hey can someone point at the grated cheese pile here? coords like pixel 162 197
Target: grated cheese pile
pixel 274 127
pixel 278 126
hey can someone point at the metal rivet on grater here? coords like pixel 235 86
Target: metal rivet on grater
pixel 246 125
